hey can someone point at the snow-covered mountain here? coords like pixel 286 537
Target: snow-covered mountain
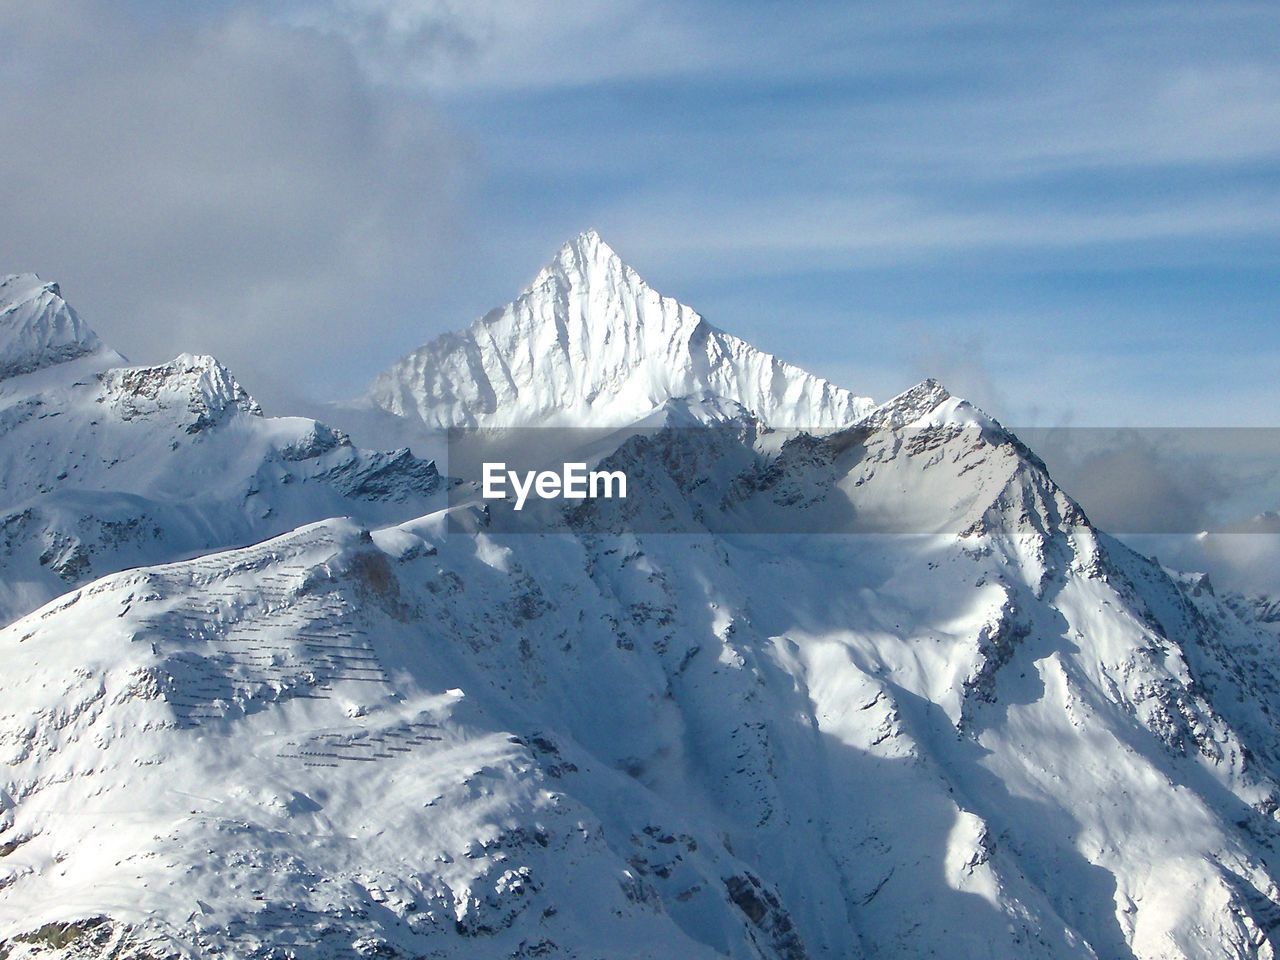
pixel 39 329
pixel 589 343
pixel 933 712
pixel 107 466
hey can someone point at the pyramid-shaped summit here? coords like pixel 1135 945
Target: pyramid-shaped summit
pixel 590 343
pixel 585 258
pixel 38 328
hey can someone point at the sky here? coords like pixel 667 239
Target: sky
pixel 1068 213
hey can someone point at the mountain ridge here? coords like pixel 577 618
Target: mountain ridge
pixel 935 712
pixel 107 465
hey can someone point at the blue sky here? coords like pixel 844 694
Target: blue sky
pixel 1069 213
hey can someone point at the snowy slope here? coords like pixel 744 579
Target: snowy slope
pixel 881 692
pixel 998 742
pixel 106 466
pixel 589 343
pixel 39 329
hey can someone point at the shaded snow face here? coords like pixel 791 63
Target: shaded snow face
pixel 896 471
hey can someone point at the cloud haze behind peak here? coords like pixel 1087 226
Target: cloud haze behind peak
pixel 235 187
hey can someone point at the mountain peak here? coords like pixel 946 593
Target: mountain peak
pixel 38 328
pixel 17 287
pixel 589 240
pixel 586 261
pixel 590 343
pixel 588 246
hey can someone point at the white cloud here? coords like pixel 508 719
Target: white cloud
pixel 232 186
pixel 452 45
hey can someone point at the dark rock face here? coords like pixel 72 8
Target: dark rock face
pixel 762 907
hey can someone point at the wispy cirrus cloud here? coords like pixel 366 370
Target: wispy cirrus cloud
pixel 494 45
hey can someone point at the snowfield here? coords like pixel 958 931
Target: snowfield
pixel 107 466
pixel 879 689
